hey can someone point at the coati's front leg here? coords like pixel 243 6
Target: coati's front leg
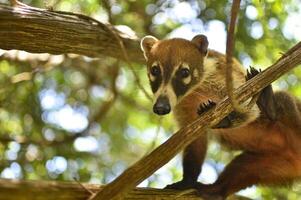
pixel 194 154
pixel 278 106
pixel 266 99
pixel 193 158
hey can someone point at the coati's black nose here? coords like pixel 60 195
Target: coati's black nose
pixel 162 106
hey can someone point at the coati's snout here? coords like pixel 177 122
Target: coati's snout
pixel 162 106
pixel 174 67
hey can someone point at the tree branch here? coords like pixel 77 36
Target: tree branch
pixel 50 190
pixel 42 31
pixel 165 152
pixel 43 190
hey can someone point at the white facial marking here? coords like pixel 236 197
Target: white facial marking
pixel 187 80
pixel 167 90
pixel 195 73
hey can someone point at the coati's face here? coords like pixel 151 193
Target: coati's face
pixel 174 66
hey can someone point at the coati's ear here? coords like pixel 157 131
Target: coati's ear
pixel 147 43
pixel 201 42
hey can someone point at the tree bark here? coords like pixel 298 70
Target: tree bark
pixel 147 165
pixel 50 190
pixel 43 31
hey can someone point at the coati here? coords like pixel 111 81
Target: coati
pixel 188 78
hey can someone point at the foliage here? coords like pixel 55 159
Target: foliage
pixel 67 116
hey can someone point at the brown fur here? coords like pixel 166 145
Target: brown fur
pixel 189 54
pixel 271 147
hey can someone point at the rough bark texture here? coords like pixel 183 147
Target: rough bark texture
pixel 43 190
pixel 165 152
pixel 41 31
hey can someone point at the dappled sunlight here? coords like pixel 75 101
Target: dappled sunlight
pixel 12 172
pixel 72 120
pixel 86 144
pixel 56 166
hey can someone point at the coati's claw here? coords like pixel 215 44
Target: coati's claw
pixel 204 107
pixel 252 72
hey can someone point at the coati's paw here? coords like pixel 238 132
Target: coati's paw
pixel 265 101
pixel 252 72
pixel 183 185
pixel 204 107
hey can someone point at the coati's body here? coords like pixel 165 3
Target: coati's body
pixel 183 76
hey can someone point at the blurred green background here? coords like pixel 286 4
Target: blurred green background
pixel 71 117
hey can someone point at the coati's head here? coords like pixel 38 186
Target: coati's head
pixel 174 66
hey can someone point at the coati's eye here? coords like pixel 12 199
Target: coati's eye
pixel 184 72
pixel 155 70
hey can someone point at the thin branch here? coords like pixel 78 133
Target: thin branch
pixel 153 144
pixel 126 58
pixel 83 186
pixel 147 165
pixel 107 5
pixel 229 54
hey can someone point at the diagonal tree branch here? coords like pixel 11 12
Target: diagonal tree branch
pixel 42 31
pixel 165 152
